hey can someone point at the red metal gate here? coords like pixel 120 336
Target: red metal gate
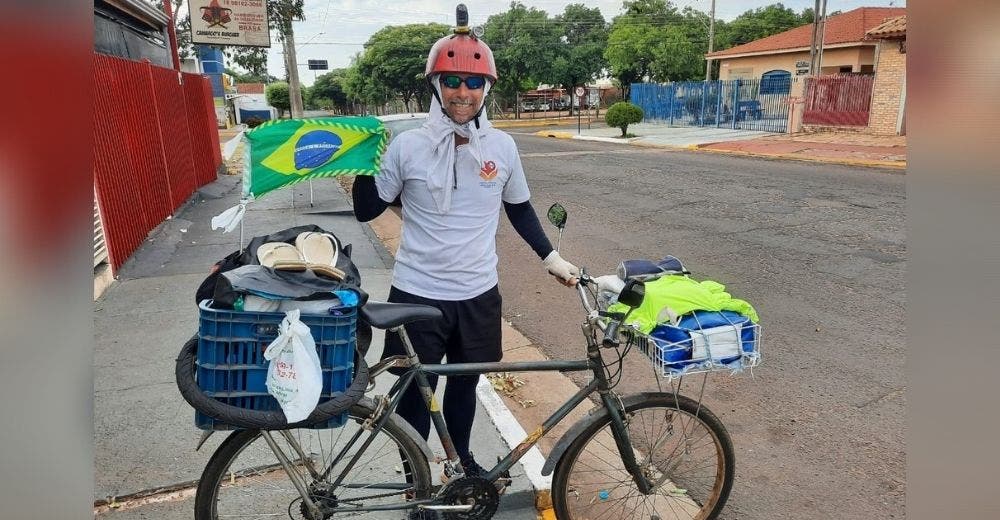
pixel 838 100
pixel 155 142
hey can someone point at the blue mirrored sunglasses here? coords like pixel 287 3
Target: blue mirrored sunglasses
pixel 473 82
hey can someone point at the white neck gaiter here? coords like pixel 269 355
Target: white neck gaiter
pixel 442 130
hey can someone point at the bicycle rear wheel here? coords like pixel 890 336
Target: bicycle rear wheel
pixel 680 446
pixel 245 479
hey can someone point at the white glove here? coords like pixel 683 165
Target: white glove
pixel 556 266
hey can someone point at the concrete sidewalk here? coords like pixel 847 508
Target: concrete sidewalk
pixel 834 147
pixel 144 434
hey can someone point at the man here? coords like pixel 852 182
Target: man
pixel 452 175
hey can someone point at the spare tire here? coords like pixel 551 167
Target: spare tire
pixel 261 419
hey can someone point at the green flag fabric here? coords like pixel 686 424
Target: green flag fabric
pixel 286 151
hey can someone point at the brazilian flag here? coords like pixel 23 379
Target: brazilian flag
pixel 286 151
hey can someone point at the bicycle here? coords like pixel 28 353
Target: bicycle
pixel 653 455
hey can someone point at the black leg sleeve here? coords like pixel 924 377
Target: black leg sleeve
pixel 460 411
pixel 367 204
pixel 522 217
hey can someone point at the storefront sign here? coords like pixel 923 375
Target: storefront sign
pixel 229 22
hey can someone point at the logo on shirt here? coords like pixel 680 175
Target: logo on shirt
pixel 489 171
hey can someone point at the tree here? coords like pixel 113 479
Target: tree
pixel 330 87
pixel 245 77
pixel 277 96
pixel 182 28
pixel 758 23
pixel 630 52
pixel 524 42
pixel 637 40
pixel 622 114
pixel 251 59
pixel 362 90
pixel 395 57
pixel 675 57
pixel 580 57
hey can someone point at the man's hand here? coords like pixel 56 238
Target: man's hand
pixel 564 271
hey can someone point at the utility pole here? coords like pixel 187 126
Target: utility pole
pixel 291 66
pixel 711 41
pixel 822 40
pixel 812 44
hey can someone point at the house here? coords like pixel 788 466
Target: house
pixel 888 106
pixel 846 49
pixel 250 101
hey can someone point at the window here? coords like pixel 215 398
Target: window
pixel 776 82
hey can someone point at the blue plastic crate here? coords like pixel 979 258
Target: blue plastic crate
pixel 231 365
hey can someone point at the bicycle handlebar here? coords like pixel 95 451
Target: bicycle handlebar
pixel 610 328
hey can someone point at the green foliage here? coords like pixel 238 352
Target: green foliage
pixel 761 22
pixel 361 89
pixel 524 42
pixel 395 57
pixel 622 114
pixel 280 14
pixel 244 77
pixel 251 59
pixel 645 42
pixel 328 91
pixel 278 97
pixel 580 53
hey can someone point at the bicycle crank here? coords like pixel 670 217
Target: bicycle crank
pixel 477 494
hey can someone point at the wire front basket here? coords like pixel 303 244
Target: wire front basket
pixel 699 345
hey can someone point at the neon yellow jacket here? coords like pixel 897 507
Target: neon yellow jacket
pixel 681 295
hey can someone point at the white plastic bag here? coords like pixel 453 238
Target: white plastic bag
pixel 294 375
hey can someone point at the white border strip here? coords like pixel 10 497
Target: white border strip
pixel 512 433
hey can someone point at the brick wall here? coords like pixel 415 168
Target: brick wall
pixel 888 90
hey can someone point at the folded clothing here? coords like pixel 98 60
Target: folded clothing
pixel 723 336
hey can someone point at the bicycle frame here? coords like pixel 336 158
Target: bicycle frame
pixel 417 371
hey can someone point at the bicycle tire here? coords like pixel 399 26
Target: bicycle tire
pixel 588 493
pixel 263 489
pixel 260 419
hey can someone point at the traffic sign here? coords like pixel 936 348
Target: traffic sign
pixel 580 91
pixel 317 65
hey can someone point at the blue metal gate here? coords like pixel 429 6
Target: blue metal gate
pixel 758 104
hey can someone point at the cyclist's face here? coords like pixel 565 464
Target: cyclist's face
pixel 461 103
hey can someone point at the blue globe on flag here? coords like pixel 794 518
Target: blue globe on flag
pixel 315 148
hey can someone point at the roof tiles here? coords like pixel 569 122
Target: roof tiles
pixel 891 28
pixel 846 27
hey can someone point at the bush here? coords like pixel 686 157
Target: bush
pixel 622 114
pixel 253 121
pixel 278 97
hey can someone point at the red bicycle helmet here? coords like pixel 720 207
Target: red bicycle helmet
pixel 461 52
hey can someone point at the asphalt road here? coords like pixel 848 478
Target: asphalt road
pixel 820 250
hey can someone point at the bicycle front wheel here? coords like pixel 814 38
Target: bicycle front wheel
pixel 681 448
pixel 245 479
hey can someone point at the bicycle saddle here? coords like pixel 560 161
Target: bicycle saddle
pixel 389 315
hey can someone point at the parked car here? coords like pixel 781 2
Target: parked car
pixel 544 106
pixel 527 106
pixel 399 123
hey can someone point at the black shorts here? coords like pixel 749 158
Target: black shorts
pixel 469 332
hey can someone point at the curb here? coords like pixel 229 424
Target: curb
pixel 513 434
pixel 896 165
pixel 514 123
